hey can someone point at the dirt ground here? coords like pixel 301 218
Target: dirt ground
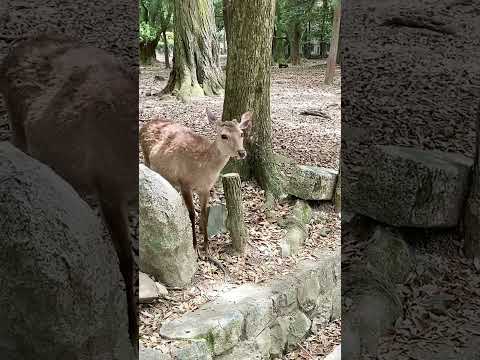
pixel 308 140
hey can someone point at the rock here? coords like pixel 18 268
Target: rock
pixel 152 354
pixel 193 350
pixel 63 276
pixel 312 183
pixel 255 304
pixel 245 351
pixel 298 328
pixel 217 215
pixel 336 354
pixel 166 245
pixel 220 325
pixel 296 228
pixel 148 290
pixel 279 334
pixel 390 255
pixel 409 187
pixel 162 290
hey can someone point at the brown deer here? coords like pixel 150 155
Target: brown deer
pixel 191 162
pixel 62 113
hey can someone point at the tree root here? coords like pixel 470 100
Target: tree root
pixel 219 265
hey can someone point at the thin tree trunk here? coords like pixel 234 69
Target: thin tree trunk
pixel 227 18
pixel 247 86
pixel 147 51
pixel 332 55
pixel 197 70
pixel 296 36
pixel 472 208
pixel 235 222
pixel 165 50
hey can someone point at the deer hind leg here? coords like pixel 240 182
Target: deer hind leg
pixel 188 198
pixel 204 196
pixel 116 218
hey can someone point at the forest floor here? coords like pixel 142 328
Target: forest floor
pixel 308 140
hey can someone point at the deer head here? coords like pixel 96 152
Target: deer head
pixel 229 138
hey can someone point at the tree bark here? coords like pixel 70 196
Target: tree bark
pixel 247 87
pixel 147 51
pixel 227 19
pixel 472 209
pixel 332 55
pixel 235 223
pixel 165 50
pixel 197 70
pixel 296 36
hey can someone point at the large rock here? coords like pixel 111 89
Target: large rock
pixel 166 246
pixel 62 297
pixel 403 186
pixel 148 290
pixel 217 216
pixel 220 325
pixel 312 183
pixel 152 354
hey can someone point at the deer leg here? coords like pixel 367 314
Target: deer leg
pixel 188 198
pixel 116 218
pixel 204 196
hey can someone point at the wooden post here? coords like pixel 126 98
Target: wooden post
pixel 235 223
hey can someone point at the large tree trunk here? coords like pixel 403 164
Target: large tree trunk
pixel 472 208
pixel 332 55
pixel 197 70
pixel 165 50
pixel 147 51
pixel 247 86
pixel 296 36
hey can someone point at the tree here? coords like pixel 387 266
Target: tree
pixel 155 19
pixel 332 55
pixel 196 70
pixel 247 86
pixel 472 208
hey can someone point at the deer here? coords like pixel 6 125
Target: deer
pixel 62 114
pixel 190 161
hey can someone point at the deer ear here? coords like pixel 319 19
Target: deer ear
pixel 246 120
pixel 211 118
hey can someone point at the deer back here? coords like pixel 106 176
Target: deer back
pixel 55 93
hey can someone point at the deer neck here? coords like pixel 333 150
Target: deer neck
pixel 216 159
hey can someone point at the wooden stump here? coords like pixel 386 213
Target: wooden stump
pixel 235 222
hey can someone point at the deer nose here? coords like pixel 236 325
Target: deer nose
pixel 242 154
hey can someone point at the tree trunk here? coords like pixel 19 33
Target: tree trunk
pixel 472 208
pixel 235 223
pixel 165 50
pixel 247 87
pixel 332 55
pixel 296 36
pixel 147 51
pixel 197 68
pixel 227 18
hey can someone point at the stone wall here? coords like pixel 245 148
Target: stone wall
pixel 259 322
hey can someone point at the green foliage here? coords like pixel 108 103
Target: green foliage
pixel 218 6
pixel 314 17
pixel 156 16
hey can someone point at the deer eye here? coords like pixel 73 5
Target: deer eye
pixel 224 137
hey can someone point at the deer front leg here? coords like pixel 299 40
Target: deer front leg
pixel 188 198
pixel 204 196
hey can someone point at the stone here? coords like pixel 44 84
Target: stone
pixel 147 289
pixel 166 245
pixel 279 333
pixel 220 325
pixel 312 183
pixel 390 255
pixel 402 186
pixel 162 290
pixel 193 350
pixel 63 275
pixel 296 229
pixel 255 304
pixel 336 354
pixel 245 351
pixel 337 302
pixel 217 216
pixel 152 354
pixel 298 328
